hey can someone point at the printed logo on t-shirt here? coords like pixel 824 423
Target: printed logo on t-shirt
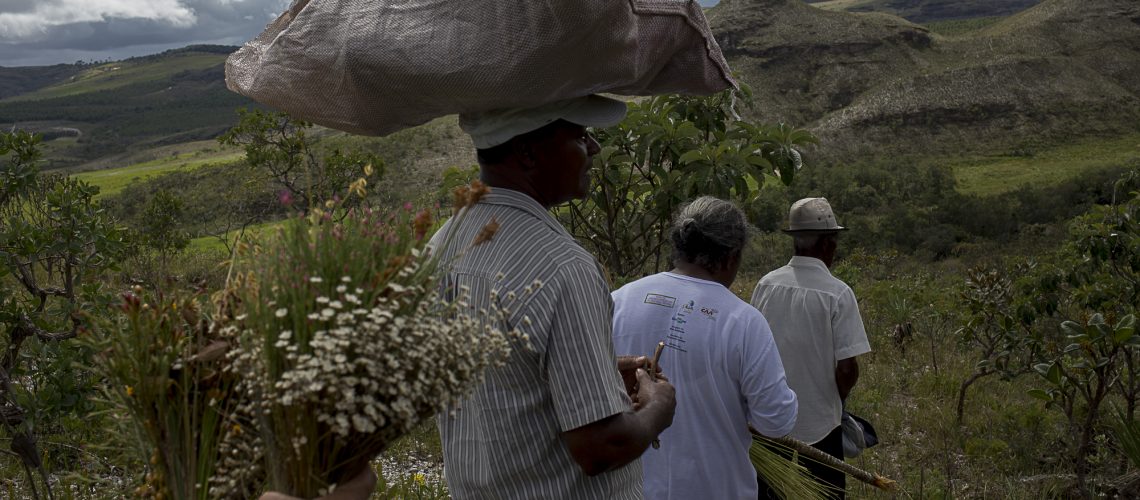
pixel 709 312
pixel 676 336
pixel 660 300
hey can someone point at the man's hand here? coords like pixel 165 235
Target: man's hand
pixel 656 391
pixel 627 366
pixel 357 488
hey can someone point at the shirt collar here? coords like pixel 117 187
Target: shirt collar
pixel 521 201
pixel 812 262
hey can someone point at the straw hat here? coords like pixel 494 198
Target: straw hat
pixel 812 216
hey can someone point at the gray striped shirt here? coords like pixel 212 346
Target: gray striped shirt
pixel 504 441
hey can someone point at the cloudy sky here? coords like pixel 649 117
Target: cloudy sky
pixel 41 32
pixel 38 32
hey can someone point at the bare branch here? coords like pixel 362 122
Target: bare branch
pixel 44 335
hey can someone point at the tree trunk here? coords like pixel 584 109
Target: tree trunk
pixel 24 445
pixel 962 391
pixel 1084 447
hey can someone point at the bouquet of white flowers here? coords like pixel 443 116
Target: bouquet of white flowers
pixel 342 344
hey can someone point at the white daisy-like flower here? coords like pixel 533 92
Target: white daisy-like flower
pixel 281 312
pixel 315 279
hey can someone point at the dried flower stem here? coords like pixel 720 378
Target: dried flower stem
pixel 656 359
pixel 653 373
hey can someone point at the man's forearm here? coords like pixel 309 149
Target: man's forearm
pixel 618 440
pixel 846 375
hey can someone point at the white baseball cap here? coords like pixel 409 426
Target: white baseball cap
pixel 492 128
pixel 812 215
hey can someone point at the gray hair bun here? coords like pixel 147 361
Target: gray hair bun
pixel 707 231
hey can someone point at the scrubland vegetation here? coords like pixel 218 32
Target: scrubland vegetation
pixel 994 246
pixel 1013 303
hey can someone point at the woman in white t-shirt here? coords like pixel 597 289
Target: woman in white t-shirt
pixel 719 354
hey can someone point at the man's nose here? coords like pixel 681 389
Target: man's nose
pixel 592 145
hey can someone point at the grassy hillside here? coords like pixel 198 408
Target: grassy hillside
pixel 925 11
pixel 958 27
pixel 804 62
pixel 16 81
pixel 111 109
pixel 1059 70
pixel 991 175
pixel 113 180
pixel 117 75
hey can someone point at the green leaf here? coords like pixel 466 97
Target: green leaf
pixel 691 156
pixel 1040 394
pixel 1072 328
pixel 1128 321
pixel 1123 334
pixel 1125 329
pixel 688 130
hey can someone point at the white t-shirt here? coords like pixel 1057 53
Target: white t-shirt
pixel 724 365
pixel 815 320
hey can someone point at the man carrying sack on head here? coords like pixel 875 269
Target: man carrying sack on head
pixel 556 421
pixel 818 330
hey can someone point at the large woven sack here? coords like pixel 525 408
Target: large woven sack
pixel 376 66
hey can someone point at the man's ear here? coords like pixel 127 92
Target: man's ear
pixel 523 151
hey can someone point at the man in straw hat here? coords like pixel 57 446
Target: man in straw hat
pixel 818 330
pixel 556 421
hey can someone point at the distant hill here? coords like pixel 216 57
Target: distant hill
pixel 16 81
pixel 867 81
pixel 106 109
pixel 925 11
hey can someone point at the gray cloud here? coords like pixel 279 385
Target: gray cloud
pixel 16 6
pixel 37 32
